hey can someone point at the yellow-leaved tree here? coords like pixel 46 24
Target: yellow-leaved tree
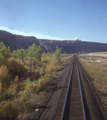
pixel 3 76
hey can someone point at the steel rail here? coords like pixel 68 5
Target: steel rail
pixel 81 94
pixel 67 92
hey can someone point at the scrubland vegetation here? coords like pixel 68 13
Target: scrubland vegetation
pixel 96 66
pixel 24 78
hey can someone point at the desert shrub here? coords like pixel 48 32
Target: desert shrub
pixel 16 84
pixel 33 101
pixel 3 72
pixel 29 87
pixel 59 67
pixel 42 71
pixel 25 104
pixel 7 111
pixel 43 83
pixel 36 63
pixel 19 103
pixel 12 58
pixel 37 86
pixel 27 62
pixel 16 69
pixel 44 58
pixel 8 93
pixel 36 74
pixel 63 60
pixel 19 107
pixel 50 67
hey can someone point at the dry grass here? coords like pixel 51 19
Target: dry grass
pixel 7 111
pixel 96 66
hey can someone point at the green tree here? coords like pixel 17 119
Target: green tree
pixel 57 54
pixel 38 53
pixel 33 52
pixel 4 53
pixel 14 53
pixel 21 54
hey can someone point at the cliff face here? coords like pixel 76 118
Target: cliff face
pixel 77 46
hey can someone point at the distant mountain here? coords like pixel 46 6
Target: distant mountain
pixel 68 46
pixel 17 41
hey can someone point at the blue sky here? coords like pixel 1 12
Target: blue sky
pixel 56 19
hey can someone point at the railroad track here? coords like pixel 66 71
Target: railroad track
pixel 74 98
pixel 74 103
pixel 81 101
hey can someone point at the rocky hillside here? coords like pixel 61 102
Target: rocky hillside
pixel 74 46
pixel 68 46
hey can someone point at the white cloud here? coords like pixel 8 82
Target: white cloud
pixel 41 36
pixel 75 38
pixel 37 35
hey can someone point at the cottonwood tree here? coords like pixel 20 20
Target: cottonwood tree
pixel 33 52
